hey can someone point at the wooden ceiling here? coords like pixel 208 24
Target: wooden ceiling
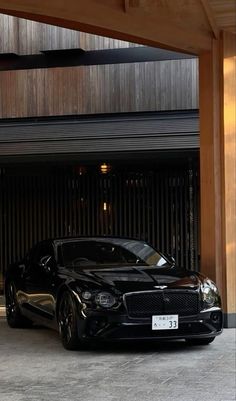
pixel 224 12
pixel 183 25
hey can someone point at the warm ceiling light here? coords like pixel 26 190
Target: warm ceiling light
pixel 105 168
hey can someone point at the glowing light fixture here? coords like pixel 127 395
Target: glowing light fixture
pixel 105 168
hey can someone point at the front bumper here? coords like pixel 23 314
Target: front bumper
pixel 114 326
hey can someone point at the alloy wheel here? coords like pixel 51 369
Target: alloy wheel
pixel 11 302
pixel 66 318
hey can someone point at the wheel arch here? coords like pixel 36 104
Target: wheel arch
pixel 62 290
pixel 8 280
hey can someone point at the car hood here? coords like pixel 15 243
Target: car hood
pixel 128 279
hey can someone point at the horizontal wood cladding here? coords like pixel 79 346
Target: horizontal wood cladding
pixel 100 134
pixel 152 86
pixel 21 36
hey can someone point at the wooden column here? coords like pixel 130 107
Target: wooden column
pixel 218 168
pixel 229 172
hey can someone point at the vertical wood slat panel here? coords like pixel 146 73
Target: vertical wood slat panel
pixel 5 222
pixel 120 203
pixel 152 205
pixel 99 89
pixel 9 223
pixel 196 191
pixel 180 219
pixel 1 224
pixel 19 215
pixel 28 37
pixel 162 214
pixel 186 219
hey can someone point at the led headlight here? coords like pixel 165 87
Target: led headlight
pixel 105 299
pixel 86 295
pixel 209 293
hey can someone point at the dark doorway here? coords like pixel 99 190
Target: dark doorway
pixel 154 201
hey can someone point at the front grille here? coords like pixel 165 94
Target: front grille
pixel 146 304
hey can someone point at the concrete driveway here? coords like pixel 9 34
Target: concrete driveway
pixel 35 367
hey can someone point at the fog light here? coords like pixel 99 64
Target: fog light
pixel 105 299
pixel 215 317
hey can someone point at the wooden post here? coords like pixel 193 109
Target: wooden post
pixel 229 172
pixel 218 168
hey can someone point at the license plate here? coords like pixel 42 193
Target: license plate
pixel 165 322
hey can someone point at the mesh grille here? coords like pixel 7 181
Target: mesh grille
pixel 146 304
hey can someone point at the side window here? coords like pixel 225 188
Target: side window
pixel 38 252
pixel 45 249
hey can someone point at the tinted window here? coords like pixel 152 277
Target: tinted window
pixel 40 250
pixel 114 252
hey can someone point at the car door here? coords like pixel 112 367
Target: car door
pixel 39 281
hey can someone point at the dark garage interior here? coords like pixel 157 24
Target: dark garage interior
pixel 150 196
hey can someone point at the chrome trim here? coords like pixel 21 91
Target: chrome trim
pixel 161 291
pixel 212 309
pixel 160 287
pixel 83 305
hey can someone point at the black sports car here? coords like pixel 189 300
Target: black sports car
pixel 110 288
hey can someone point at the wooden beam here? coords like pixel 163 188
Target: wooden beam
pixel 173 25
pixel 211 17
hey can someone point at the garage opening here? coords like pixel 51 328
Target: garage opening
pixel 155 200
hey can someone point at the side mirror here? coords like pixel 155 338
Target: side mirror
pixel 47 264
pixel 171 259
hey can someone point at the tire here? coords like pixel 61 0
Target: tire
pixel 15 319
pixel 68 321
pixel 200 341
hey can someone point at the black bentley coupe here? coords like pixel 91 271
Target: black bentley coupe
pixel 112 289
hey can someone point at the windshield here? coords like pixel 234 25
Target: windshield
pixel 116 252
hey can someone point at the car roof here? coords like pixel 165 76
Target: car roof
pixel 95 238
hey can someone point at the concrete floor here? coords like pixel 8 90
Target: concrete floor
pixel 35 367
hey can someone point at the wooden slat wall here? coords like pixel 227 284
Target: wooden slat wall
pixel 166 85
pixel 153 86
pixel 158 205
pixel 28 37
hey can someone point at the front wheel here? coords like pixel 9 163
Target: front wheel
pixel 200 341
pixel 15 319
pixel 68 321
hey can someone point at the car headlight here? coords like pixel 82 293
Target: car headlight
pixel 210 295
pixel 86 295
pixel 105 299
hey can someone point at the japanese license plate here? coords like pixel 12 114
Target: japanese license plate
pixel 165 322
